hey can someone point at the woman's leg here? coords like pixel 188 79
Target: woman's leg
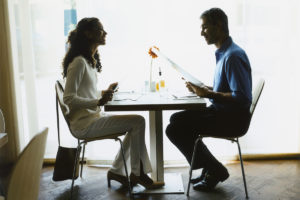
pixel 134 142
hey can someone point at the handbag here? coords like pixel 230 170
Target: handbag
pixel 64 164
pixel 65 159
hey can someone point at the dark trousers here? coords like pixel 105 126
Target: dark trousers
pixel 185 127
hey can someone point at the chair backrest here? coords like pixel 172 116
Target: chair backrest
pixel 256 94
pixel 2 122
pixel 59 88
pixel 24 181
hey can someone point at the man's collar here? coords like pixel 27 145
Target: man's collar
pixel 225 45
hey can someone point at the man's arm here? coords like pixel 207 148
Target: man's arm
pixel 207 92
pixel 190 88
pixel 220 96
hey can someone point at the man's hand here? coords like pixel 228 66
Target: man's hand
pixel 107 95
pixel 207 92
pixel 199 91
pixel 189 87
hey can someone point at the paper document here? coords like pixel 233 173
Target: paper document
pixel 185 96
pixel 187 76
pixel 122 96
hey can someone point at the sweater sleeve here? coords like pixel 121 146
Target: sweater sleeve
pixel 75 74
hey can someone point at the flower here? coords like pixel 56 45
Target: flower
pixel 151 53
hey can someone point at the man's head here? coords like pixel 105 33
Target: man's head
pixel 214 27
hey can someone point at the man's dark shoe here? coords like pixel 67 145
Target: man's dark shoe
pixel 210 181
pixel 201 177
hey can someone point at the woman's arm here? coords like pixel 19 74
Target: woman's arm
pixel 75 74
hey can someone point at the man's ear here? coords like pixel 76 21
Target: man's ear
pixel 219 29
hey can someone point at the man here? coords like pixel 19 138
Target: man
pixel 231 97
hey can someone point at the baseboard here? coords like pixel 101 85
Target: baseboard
pixel 275 156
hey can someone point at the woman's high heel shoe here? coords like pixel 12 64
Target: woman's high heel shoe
pixel 116 177
pixel 145 181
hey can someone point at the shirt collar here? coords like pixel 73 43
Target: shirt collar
pixel 225 45
pixel 219 52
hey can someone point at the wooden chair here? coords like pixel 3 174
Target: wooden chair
pixel 2 122
pixel 256 94
pixel 24 180
pixel 3 135
pixel 59 87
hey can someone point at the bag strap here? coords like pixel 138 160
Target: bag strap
pixel 57 121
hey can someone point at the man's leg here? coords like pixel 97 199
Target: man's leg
pixel 181 134
pixel 184 128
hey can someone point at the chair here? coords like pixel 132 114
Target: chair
pixel 256 94
pixel 24 180
pixel 59 88
pixel 2 122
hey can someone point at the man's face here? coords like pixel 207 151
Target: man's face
pixel 209 31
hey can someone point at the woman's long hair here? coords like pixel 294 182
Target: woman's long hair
pixel 79 45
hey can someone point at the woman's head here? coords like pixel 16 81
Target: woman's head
pixel 90 30
pixel 83 40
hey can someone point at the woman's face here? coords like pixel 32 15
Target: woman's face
pixel 98 34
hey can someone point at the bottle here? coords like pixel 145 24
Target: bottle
pixel 162 83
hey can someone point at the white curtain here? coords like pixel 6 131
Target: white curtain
pixel 267 30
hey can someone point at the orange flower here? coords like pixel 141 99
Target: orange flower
pixel 151 53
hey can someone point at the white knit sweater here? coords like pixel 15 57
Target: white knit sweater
pixel 81 94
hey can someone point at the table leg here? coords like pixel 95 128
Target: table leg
pixel 156 145
pixel 173 181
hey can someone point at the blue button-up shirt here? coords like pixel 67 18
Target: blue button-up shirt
pixel 233 74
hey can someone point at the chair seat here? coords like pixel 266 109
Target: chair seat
pixel 221 137
pixel 113 136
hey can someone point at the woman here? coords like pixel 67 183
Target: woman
pixel 80 67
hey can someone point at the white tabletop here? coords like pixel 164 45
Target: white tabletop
pixel 153 101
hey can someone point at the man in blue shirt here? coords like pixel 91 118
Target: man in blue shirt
pixel 231 97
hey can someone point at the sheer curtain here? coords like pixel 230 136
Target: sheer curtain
pixel 267 30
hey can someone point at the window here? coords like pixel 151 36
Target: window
pixel 267 30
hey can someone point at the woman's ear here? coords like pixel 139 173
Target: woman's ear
pixel 88 34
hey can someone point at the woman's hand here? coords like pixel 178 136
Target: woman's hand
pixel 107 95
pixel 113 86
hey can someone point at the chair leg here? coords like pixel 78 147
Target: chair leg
pixel 242 166
pixel 81 168
pixel 192 163
pixel 74 169
pixel 126 171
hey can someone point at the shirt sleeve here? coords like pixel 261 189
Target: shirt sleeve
pixel 75 74
pixel 238 74
pixel 99 94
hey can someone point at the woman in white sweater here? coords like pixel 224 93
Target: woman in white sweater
pixel 80 67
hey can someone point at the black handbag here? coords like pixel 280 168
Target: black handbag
pixel 65 159
pixel 64 164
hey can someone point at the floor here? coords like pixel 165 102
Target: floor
pixel 267 180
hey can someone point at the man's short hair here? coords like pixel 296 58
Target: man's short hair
pixel 215 16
